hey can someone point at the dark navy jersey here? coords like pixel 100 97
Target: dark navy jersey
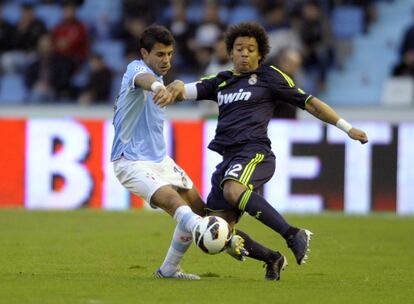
pixel 246 104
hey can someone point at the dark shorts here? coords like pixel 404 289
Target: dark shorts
pixel 250 165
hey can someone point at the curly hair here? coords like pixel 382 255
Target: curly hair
pixel 248 29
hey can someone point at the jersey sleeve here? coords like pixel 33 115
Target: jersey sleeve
pixel 284 87
pixel 206 88
pixel 134 69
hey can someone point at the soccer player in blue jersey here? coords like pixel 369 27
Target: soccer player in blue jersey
pixel 246 97
pixel 139 153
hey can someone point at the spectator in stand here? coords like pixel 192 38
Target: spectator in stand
pixel 70 37
pixel 76 2
pixel 183 32
pixel 407 43
pixel 369 8
pixel 29 29
pixel 315 36
pixel 24 39
pixel 7 30
pixel 98 88
pixel 289 61
pixel 278 26
pixel 146 9
pixel 206 34
pixel 220 60
pixel 49 76
pixel 405 66
pixel 274 15
pixel 133 28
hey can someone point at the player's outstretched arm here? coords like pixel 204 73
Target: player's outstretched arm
pixel 177 90
pixel 148 82
pixel 324 112
pixel 182 91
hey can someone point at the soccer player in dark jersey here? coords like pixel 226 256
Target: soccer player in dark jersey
pixel 246 97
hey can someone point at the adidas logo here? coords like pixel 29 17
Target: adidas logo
pixel 232 97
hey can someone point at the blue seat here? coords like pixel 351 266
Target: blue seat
pixel 11 12
pixel 195 13
pixel 93 10
pixel 347 21
pixel 112 52
pixel 50 14
pixel 242 13
pixel 12 89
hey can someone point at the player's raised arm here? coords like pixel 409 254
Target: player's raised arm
pixel 324 112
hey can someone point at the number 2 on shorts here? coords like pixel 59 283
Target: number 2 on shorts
pixel 234 170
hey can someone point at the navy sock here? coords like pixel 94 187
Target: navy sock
pixel 258 207
pixel 256 251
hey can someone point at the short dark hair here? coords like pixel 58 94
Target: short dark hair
pixel 248 29
pixel 155 34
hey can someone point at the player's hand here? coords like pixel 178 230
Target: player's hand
pixel 163 97
pixel 176 88
pixel 359 135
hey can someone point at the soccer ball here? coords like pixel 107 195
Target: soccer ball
pixel 212 234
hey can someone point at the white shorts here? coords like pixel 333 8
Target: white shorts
pixel 143 178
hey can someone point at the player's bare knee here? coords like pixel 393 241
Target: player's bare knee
pixel 167 199
pixel 231 193
pixel 232 190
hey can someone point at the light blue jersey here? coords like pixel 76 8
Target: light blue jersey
pixel 138 121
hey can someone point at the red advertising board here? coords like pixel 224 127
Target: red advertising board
pixel 64 164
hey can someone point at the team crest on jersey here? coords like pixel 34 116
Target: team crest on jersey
pixel 141 69
pixel 253 79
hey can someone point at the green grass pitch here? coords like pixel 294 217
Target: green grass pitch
pixel 98 257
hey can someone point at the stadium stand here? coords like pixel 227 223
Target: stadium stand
pixel 351 59
pixel 362 78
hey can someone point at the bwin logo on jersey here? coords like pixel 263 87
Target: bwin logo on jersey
pixel 231 97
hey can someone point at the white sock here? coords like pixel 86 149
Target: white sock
pixel 179 245
pixel 186 218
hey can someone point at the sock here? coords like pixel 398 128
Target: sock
pixel 256 251
pixel 180 242
pixel 258 207
pixel 186 219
